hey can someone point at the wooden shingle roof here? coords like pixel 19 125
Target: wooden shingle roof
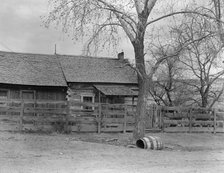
pixel 57 70
pixel 30 69
pixel 116 90
pixel 97 70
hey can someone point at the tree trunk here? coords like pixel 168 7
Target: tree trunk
pixel 204 102
pixel 143 84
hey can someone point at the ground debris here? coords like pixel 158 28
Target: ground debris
pixel 131 146
pixel 111 140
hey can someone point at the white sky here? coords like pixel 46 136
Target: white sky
pixel 21 31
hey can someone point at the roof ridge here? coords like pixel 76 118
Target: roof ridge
pixel 26 53
pixel 67 55
pixel 86 56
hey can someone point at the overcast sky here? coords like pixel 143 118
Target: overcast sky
pixel 21 30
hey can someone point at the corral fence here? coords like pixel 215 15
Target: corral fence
pixel 190 119
pixel 67 116
pixel 75 116
pixel 19 115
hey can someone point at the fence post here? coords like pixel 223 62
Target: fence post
pixel 99 119
pixel 155 116
pixel 190 120
pixel 125 118
pixel 162 119
pixel 214 113
pixel 21 117
pixel 67 117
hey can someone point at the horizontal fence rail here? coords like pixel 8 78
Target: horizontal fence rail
pixel 66 116
pixel 190 119
pixel 76 116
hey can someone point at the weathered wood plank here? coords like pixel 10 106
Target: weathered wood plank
pixel 32 119
pixel 45 110
pixel 125 120
pixel 203 116
pixel 84 114
pixel 113 120
pixel 10 109
pixel 176 115
pixel 113 113
pixel 84 128
pixel 7 119
pixel 112 128
pixel 220 115
pixel 215 120
pixel 170 109
pixel 200 122
pixel 99 119
pixel 78 103
pixel 82 121
pixel 32 101
pixel 10 100
pixel 176 121
pixel 21 117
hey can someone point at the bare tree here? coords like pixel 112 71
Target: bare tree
pixel 201 57
pixel 167 87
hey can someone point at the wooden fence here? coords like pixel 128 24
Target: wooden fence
pixel 74 116
pixel 190 119
pixel 65 116
pixel 101 117
pixel 31 115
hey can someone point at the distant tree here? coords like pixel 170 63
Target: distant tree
pixel 202 57
pixel 167 88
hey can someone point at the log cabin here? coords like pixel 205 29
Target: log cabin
pixel 99 80
pixel 31 76
pixel 57 77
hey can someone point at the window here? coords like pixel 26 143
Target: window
pixel 87 99
pixel 3 94
pixel 28 95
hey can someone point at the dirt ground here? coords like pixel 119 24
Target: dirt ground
pixel 108 153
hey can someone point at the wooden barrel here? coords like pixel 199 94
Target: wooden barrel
pixel 150 142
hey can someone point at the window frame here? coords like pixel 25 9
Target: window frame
pixel 93 100
pixel 7 93
pixel 28 91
